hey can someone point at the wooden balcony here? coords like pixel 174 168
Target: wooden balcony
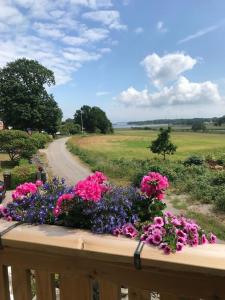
pixel 50 262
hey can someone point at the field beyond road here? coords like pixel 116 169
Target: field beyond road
pixel 133 144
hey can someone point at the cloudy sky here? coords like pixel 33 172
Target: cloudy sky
pixel 136 59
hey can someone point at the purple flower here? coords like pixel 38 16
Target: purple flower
pixel 167 250
pixel 179 246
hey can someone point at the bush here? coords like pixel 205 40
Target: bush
pixel 41 139
pixel 17 144
pixel 23 173
pixel 194 160
pixel 218 179
pixel 220 200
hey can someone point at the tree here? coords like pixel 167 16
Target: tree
pixel 162 145
pixel 93 119
pixel 69 128
pixel 17 144
pixel 198 126
pixel 24 100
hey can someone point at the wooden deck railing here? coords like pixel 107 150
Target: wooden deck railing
pixel 50 262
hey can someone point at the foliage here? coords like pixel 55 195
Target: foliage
pixel 17 144
pixel 24 100
pixel 69 127
pixel 198 126
pixel 194 160
pixel 41 139
pixel 93 119
pixel 162 145
pixel 21 174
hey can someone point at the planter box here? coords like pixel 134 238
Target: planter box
pixel 81 258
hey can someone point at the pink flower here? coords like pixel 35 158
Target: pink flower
pixel 3 210
pixel 99 177
pixel 156 239
pixel 38 183
pixel 88 190
pixel 204 239
pixel 179 246
pixel 212 238
pixel 116 231
pixel 57 209
pixel 167 250
pixel 129 230
pixel 24 189
pixel 159 221
pixel 154 185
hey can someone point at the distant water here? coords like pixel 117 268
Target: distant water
pixel 126 125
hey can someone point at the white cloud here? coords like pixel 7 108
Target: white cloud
pixel 80 55
pixel 182 92
pixel 161 27
pixel 168 67
pixel 200 33
pixel 50 31
pixel 110 18
pixel 138 30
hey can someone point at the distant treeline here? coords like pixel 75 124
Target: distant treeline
pixel 215 120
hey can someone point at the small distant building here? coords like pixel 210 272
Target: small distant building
pixel 1 125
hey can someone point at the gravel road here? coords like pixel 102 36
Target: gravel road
pixel 63 164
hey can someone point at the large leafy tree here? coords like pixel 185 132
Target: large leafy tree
pixel 24 100
pixel 162 144
pixel 93 119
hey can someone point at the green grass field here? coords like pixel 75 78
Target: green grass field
pixel 131 144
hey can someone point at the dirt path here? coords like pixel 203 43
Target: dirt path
pixel 63 164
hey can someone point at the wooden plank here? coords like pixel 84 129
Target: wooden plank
pixel 137 294
pixel 75 288
pixel 4 283
pixel 45 285
pixel 163 281
pixel 169 297
pixel 109 290
pixel 21 283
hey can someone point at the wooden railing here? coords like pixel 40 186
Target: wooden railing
pixel 50 262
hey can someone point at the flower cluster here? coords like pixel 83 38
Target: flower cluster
pixel 95 205
pixel 61 199
pixel 154 185
pixel 91 188
pixel 171 233
pixel 37 208
pixel 25 189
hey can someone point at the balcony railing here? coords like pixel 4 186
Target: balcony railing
pixel 50 262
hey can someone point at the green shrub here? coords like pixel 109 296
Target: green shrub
pixel 218 178
pixel 41 139
pixel 23 173
pixel 194 160
pixel 220 200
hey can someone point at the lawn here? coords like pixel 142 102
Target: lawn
pixel 131 144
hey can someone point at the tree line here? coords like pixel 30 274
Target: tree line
pixel 26 104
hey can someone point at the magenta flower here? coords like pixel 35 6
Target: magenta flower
pixel 24 189
pixel 129 230
pixel 179 246
pixel 204 239
pixel 212 238
pixel 88 190
pixel 167 250
pixel 156 239
pixel 159 221
pixel 154 185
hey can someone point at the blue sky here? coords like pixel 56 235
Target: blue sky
pixel 136 59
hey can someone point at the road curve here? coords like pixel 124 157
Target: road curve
pixel 63 164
